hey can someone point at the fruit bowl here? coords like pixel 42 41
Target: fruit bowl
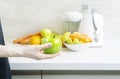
pixel 77 47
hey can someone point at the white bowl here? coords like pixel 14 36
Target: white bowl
pixel 77 47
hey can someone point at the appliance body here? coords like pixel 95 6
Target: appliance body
pixel 92 24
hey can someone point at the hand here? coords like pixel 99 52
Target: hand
pixel 36 51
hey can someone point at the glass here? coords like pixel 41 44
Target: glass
pixel 72 26
pixel 72 21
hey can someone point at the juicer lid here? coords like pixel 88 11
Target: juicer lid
pixel 73 16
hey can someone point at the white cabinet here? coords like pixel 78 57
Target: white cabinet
pixel 26 74
pixel 67 74
pixel 80 75
pixel 26 77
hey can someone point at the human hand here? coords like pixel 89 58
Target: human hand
pixel 36 51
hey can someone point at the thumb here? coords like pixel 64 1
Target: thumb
pixel 43 46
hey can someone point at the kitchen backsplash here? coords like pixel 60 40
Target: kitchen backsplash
pixel 21 17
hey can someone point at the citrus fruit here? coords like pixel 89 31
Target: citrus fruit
pixel 35 40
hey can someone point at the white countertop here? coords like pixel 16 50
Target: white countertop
pixel 104 58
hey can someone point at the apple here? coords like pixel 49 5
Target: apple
pixel 46 32
pixel 56 44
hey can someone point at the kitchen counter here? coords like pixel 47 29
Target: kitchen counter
pixel 103 58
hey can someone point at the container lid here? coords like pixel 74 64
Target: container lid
pixel 73 16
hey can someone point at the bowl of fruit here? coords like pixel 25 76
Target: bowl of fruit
pixel 76 41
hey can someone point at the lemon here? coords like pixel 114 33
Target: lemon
pixel 35 40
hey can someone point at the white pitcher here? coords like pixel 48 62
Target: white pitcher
pixel 91 24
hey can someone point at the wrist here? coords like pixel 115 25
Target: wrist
pixel 11 51
pixel 16 51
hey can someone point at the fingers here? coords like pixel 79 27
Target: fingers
pixel 47 56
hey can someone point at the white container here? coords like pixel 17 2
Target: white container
pixel 86 25
pixel 92 24
pixel 72 21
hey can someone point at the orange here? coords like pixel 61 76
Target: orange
pixel 35 40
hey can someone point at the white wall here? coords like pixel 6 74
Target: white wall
pixel 21 17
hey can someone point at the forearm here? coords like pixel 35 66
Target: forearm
pixel 6 51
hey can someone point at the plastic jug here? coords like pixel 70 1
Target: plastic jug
pixel 92 24
pixel 86 25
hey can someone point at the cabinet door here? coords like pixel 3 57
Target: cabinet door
pixel 80 75
pixel 26 77
pixel 26 74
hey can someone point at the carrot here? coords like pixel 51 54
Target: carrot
pixel 24 39
pixel 21 38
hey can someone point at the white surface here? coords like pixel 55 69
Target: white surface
pixel 105 58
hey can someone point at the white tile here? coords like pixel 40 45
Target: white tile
pixel 20 17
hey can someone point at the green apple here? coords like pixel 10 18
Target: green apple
pixel 45 32
pixel 67 34
pixel 56 44
pixel 60 36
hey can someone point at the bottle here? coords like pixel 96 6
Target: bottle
pixel 86 25
pixel 72 21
